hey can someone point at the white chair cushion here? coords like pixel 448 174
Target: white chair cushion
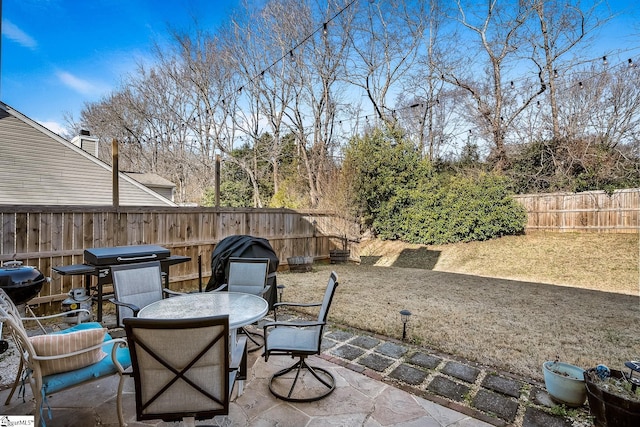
pixel 59 344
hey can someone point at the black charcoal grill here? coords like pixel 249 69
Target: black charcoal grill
pixel 20 282
pixel 97 263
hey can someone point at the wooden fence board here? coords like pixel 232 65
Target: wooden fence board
pixel 50 236
pixel 590 211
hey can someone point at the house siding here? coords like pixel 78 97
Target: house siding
pixel 38 169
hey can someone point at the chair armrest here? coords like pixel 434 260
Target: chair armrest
pixel 114 341
pixel 119 343
pixel 132 307
pixel 219 288
pixel 265 290
pixel 292 304
pixel 37 319
pixel 171 293
pixel 297 304
pixel 52 316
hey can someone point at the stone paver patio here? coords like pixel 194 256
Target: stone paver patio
pixel 358 400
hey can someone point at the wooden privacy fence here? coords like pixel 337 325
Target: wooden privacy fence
pixel 591 211
pixel 50 236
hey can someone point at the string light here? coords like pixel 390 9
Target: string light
pixel 325 31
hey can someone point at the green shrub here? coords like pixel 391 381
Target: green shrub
pixel 452 209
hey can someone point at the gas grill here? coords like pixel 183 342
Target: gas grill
pixel 97 263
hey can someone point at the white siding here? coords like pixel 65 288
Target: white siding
pixel 37 169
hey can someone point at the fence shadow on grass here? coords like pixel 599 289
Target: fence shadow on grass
pixel 422 258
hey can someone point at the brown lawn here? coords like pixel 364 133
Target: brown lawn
pixel 509 303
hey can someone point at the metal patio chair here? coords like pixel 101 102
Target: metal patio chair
pixel 300 339
pixel 249 276
pixel 65 359
pixel 136 286
pixel 182 368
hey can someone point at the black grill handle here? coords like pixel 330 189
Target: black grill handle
pixel 136 258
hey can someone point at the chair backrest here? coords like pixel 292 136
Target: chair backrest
pixel 324 309
pixel 180 367
pixel 247 275
pixel 328 297
pixel 139 284
pixel 8 305
pixel 10 316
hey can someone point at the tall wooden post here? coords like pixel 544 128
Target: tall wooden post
pixel 217 180
pixel 114 173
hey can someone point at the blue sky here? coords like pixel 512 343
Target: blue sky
pixel 59 54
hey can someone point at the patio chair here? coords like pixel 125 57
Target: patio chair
pixel 248 275
pixel 10 307
pixel 182 368
pixel 68 358
pixel 300 339
pixel 136 286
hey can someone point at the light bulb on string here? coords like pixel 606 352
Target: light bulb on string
pixel 604 60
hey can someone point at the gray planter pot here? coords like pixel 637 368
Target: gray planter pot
pixel 565 383
pixel 339 256
pixel 300 264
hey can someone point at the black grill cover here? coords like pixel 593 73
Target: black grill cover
pixel 245 247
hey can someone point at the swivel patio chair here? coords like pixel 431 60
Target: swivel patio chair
pixel 182 368
pixel 248 275
pixel 136 286
pixel 68 358
pixel 300 339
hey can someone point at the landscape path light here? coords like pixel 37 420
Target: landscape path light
pixel 404 316
pixel 280 292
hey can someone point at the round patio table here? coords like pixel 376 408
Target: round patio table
pixel 242 309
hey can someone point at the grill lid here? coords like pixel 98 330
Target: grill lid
pixel 20 282
pixel 125 254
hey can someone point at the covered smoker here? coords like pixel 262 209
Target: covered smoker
pixel 243 246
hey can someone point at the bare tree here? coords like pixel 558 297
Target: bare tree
pixel 562 27
pixel 385 41
pixel 261 41
pixel 496 29
pixel 422 102
pixel 317 79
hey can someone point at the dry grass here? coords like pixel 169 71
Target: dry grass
pixel 511 303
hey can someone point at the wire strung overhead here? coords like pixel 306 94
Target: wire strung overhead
pixel 290 53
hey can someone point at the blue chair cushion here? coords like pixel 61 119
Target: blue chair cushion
pixel 80 327
pixel 56 382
